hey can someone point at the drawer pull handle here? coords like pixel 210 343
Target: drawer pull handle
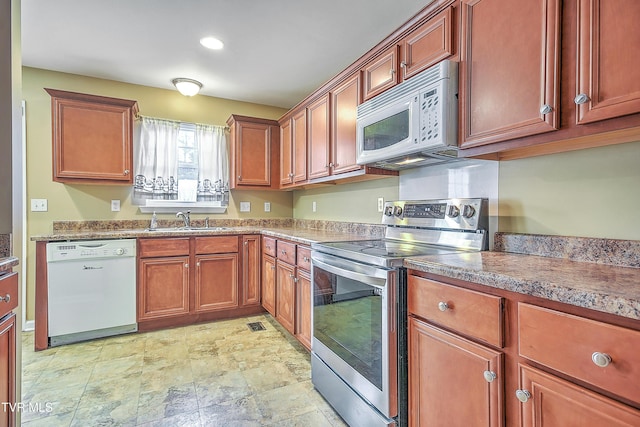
pixel 5 298
pixel 601 359
pixel 523 395
pixel 443 306
pixel 305 258
pixel 283 252
pixel 489 376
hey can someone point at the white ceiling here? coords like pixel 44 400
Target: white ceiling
pixel 276 51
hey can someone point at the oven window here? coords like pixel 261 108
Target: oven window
pixel 387 132
pixel 347 318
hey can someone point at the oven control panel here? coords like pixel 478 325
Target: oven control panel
pixel 458 214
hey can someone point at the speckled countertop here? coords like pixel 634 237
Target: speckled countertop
pixel 7 263
pixel 560 271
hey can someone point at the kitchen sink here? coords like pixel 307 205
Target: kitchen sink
pixel 185 229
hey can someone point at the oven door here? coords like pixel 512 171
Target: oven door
pixel 354 326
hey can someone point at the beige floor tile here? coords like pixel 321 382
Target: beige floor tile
pixel 242 412
pixel 107 413
pixel 185 419
pixel 222 388
pixel 175 400
pixel 284 402
pixel 56 420
pixel 269 377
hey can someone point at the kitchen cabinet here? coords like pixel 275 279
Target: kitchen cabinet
pixel 251 270
pixel 607 60
pixel 286 295
pixel 184 280
pixel 254 152
pixel 9 301
pixel 319 130
pixel 344 105
pixel 268 279
pixel 92 138
pixel 381 74
pixel 163 278
pixel 293 151
pixel 452 377
pixel 303 296
pixel 509 70
pixel 548 363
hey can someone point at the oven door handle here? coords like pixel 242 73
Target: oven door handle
pixel 364 278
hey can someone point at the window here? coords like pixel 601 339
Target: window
pixel 180 163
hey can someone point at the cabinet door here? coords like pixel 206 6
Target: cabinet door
pixel 303 308
pixel 253 154
pixel 509 71
pixel 8 368
pixel 286 153
pixel 268 290
pixel 608 59
pixel 285 295
pixel 381 74
pixel 299 135
pixel 555 402
pixel 216 286
pixel 427 45
pixel 319 131
pixel 92 138
pixel 344 105
pixel 163 287
pixel 447 379
pixel 251 270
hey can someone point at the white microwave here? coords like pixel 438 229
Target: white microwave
pixel 412 124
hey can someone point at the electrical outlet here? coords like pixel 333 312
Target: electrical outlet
pixel 380 204
pixel 267 207
pixel 314 206
pixel 115 206
pixel 245 206
pixel 39 205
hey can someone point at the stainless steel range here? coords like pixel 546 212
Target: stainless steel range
pixel 359 351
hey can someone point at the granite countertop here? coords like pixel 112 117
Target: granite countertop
pixel 7 263
pixel 603 287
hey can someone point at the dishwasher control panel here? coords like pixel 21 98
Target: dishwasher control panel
pixel 90 249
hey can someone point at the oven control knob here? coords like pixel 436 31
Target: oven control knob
pixel 388 211
pixel 453 211
pixel 397 211
pixel 468 211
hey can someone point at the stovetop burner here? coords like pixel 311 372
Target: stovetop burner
pixel 389 248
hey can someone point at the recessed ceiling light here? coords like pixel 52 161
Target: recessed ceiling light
pixel 211 43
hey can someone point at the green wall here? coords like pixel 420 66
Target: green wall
pixel 93 202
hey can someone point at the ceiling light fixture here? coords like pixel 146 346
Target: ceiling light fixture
pixel 211 43
pixel 187 87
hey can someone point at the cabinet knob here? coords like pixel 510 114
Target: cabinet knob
pixel 239 178
pixel 5 298
pixel 581 98
pixel 403 64
pixel 273 267
pixel 126 171
pixel 186 266
pixel 489 376
pixel 523 395
pixel 305 258
pixel 283 252
pixel 443 306
pixel 246 243
pixel 601 359
pixel 198 264
pixel 546 109
pixel 392 72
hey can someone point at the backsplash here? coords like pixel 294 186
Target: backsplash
pixel 623 253
pixel 5 245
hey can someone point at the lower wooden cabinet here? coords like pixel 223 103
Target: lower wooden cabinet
pixel 452 379
pixel 303 308
pixel 250 270
pixel 268 287
pixel 216 285
pixel 163 287
pixel 8 368
pixel 286 295
pixel 548 401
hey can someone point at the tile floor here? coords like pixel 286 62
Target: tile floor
pixel 214 374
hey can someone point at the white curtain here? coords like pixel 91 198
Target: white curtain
pixel 213 163
pixel 156 159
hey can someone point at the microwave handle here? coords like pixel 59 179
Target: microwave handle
pixel 366 279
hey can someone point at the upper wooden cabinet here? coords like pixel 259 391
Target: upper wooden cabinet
pixel 92 138
pixel 608 59
pixel 254 152
pixel 344 104
pixel 293 148
pixel 381 74
pixel 319 131
pixel 509 71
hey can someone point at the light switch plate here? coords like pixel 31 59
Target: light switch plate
pixel 314 206
pixel 245 206
pixel 267 207
pixel 115 206
pixel 39 205
pixel 380 204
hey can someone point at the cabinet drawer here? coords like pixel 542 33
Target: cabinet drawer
pixel 286 252
pixel 269 246
pixel 216 244
pixel 567 344
pixel 163 247
pixel 8 292
pixel 303 258
pixel 469 312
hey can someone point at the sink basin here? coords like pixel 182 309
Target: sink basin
pixel 185 229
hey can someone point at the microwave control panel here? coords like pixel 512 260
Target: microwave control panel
pixel 430 115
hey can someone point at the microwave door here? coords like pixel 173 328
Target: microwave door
pixel 388 131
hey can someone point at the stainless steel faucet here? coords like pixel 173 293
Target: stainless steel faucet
pixel 185 217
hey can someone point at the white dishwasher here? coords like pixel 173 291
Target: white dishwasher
pixel 92 289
